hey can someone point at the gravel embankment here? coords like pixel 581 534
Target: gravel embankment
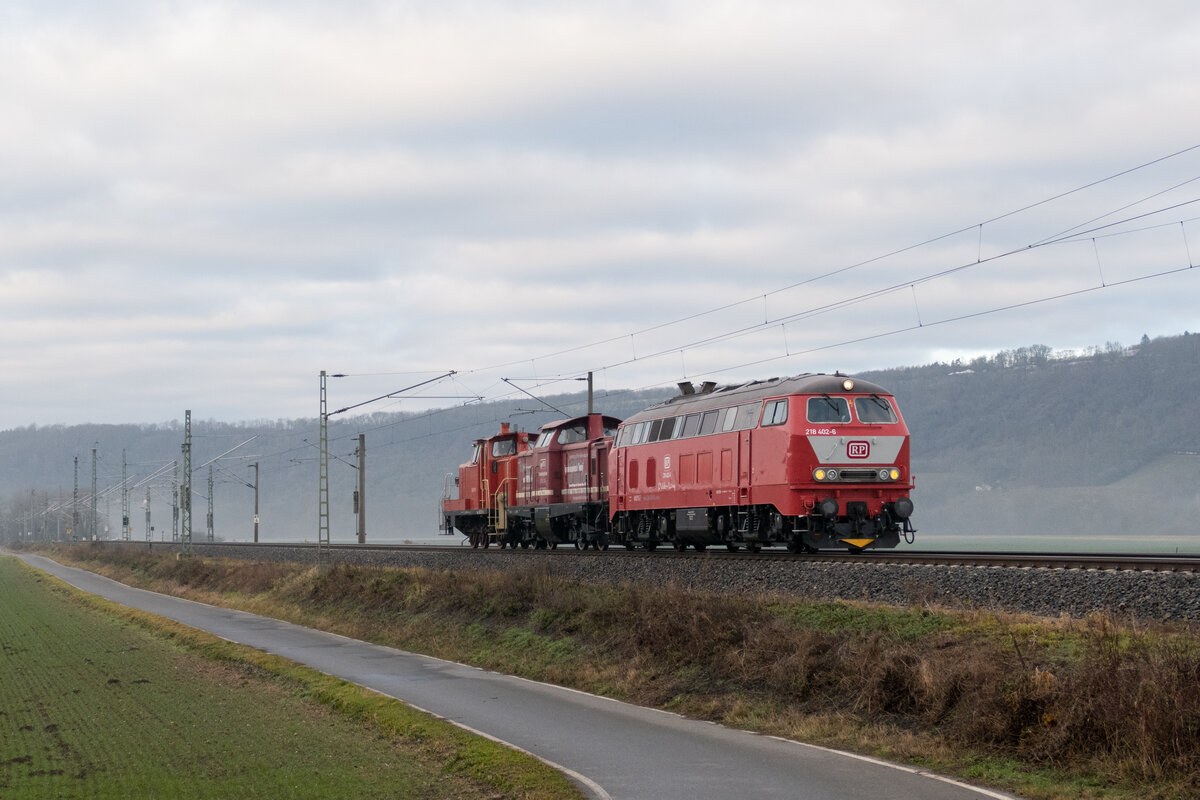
pixel 1040 591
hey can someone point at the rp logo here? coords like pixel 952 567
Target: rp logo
pixel 858 449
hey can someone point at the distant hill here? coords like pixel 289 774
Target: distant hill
pixel 1103 443
pixel 1026 441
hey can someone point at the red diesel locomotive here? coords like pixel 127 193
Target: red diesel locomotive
pixel 809 462
pixel 543 493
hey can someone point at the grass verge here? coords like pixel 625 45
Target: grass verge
pixel 1094 708
pixel 101 701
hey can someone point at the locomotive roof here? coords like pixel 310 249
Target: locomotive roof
pixel 605 419
pixel 811 383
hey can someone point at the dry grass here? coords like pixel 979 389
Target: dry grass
pixel 1047 708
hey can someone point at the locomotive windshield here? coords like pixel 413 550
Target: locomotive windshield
pixel 828 409
pixel 572 434
pixel 504 447
pixel 874 409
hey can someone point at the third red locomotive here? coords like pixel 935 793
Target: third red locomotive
pixel 807 462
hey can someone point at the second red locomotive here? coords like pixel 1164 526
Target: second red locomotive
pixel 808 462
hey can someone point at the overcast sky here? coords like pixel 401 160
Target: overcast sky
pixel 202 205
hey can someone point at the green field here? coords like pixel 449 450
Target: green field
pixel 93 705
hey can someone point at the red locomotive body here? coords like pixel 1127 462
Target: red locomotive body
pixel 811 461
pixel 562 483
pixel 487 487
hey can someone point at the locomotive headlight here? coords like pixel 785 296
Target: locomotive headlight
pixel 848 385
pixel 894 474
pixel 831 474
pixel 885 475
pixel 819 474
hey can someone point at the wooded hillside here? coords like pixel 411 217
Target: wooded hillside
pixel 1026 441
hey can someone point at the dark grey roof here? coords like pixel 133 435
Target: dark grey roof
pixel 757 390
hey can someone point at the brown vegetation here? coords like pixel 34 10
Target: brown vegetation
pixel 1106 709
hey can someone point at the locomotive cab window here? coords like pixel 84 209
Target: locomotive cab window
pixel 572 434
pixel 874 409
pixel 476 452
pixel 545 439
pixel 775 412
pixel 504 447
pixel 826 409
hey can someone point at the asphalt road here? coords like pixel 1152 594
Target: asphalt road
pixel 611 749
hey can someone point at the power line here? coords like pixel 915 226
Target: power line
pixel 841 270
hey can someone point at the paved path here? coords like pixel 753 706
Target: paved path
pixel 611 749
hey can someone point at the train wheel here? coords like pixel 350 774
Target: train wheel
pixel 602 542
pixel 581 543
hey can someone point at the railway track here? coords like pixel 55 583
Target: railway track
pixel 1142 562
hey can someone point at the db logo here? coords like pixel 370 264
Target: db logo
pixel 858 449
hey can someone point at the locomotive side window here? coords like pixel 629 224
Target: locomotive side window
pixel 747 416
pixel 826 409
pixel 775 412
pixel 731 418
pixel 476 452
pixel 639 433
pixel 545 439
pixel 874 409
pixel 504 447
